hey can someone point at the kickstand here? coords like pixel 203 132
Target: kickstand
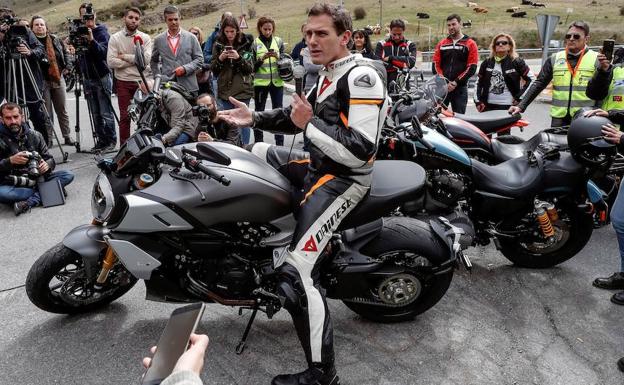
pixel 241 345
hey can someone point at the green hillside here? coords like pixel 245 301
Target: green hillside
pixel 605 17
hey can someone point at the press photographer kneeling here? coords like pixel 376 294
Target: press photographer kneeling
pixel 210 128
pixel 24 162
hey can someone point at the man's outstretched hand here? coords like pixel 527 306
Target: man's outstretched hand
pixel 240 116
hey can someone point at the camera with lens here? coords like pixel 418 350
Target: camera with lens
pixel 33 164
pixel 204 113
pixel 78 32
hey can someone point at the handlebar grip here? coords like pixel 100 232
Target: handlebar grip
pixel 219 178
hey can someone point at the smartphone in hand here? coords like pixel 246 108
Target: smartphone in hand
pixel 607 48
pixel 173 342
pixel 229 48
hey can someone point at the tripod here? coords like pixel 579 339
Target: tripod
pixel 78 89
pixel 16 91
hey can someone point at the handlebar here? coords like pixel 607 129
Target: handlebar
pixel 196 166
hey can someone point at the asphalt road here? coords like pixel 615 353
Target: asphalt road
pixel 497 325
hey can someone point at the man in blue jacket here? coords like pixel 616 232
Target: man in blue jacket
pixel 98 82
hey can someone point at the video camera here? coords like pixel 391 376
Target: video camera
pixel 78 29
pixel 15 35
pixel 78 32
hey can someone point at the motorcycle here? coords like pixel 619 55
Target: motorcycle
pixel 205 221
pixel 536 208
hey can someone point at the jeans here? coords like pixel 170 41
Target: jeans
pixel 458 99
pixel 125 93
pixel 215 91
pixel 245 131
pixel 617 221
pixel 183 138
pixel 261 95
pixel 12 194
pixel 98 95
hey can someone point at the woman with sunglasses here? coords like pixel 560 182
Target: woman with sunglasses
pixel 501 76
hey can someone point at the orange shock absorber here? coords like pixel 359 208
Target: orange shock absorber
pixel 552 212
pixel 544 223
pixel 107 264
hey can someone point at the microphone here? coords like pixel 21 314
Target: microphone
pixel 137 39
pixel 298 73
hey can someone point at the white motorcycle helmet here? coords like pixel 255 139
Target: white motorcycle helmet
pixel 285 67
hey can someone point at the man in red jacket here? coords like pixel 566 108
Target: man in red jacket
pixel 456 58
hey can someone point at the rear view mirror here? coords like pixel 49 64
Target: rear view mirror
pixel 210 153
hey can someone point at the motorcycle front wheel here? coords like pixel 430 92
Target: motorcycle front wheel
pixel 410 244
pixel 58 283
pixel 572 232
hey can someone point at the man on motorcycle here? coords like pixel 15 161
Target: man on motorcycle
pixel 19 146
pixel 342 118
pixel 570 71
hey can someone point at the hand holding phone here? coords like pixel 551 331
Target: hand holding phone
pixel 173 343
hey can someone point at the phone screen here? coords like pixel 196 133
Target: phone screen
pixel 173 342
pixel 229 48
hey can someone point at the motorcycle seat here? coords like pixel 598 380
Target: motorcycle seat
pixel 490 121
pixel 504 151
pixel 514 178
pixel 394 182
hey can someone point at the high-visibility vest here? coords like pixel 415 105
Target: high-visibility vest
pixel 268 73
pixel 615 98
pixel 570 84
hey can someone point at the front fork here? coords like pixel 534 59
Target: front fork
pixel 107 264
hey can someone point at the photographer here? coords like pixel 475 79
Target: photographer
pixel 210 128
pixel 23 155
pixel 21 41
pixel 90 42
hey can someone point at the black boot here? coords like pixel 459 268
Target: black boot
pixel 620 364
pixel 314 375
pixel 614 282
pixel 618 298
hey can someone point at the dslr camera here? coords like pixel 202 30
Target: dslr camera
pixel 33 164
pixel 204 113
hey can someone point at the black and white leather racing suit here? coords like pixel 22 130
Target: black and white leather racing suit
pixel 349 105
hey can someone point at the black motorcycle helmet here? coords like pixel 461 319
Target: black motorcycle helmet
pixel 586 141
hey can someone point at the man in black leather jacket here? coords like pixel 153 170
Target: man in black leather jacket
pixel 342 118
pixel 34 53
pixel 17 140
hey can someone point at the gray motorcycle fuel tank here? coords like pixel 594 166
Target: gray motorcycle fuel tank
pixel 257 193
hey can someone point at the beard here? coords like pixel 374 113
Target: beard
pixel 15 129
pixel 131 28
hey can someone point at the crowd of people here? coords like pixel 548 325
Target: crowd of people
pixel 340 116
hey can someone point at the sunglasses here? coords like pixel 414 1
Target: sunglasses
pixel 570 36
pixel 502 42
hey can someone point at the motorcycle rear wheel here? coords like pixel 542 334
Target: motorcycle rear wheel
pixel 57 283
pixel 578 227
pixel 399 236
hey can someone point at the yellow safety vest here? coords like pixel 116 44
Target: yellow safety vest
pixel 615 98
pixel 267 73
pixel 570 84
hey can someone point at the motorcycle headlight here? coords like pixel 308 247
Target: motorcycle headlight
pixel 102 199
